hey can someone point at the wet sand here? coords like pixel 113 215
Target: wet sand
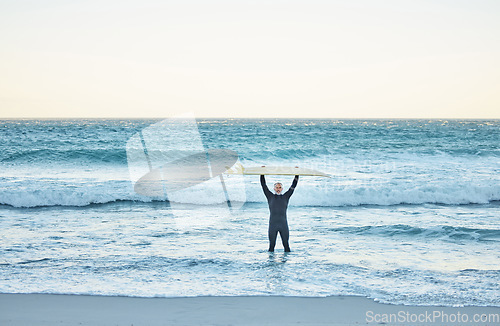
pixel 49 309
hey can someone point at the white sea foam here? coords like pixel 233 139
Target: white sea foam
pixel 27 193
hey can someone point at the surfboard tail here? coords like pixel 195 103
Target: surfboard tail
pixel 237 168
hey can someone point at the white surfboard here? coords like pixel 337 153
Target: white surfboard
pixel 274 170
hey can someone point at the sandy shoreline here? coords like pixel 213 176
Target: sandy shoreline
pixel 47 309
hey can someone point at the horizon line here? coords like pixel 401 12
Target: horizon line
pixel 239 118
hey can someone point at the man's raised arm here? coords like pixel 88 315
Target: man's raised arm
pixel 292 187
pixel 267 192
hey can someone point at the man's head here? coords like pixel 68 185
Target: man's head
pixel 278 187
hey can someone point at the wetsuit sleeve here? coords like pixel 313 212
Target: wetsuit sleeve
pixel 267 192
pixel 292 187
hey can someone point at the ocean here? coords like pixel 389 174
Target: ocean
pixel 410 214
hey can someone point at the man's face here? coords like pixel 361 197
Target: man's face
pixel 277 188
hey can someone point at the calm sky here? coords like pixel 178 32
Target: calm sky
pixel 269 58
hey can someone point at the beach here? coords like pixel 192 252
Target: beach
pixel 249 163
pixel 50 309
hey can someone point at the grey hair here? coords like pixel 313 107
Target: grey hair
pixel 278 183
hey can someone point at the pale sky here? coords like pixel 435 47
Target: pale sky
pixel 262 58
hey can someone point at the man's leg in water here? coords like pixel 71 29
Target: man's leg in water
pixel 273 234
pixel 284 233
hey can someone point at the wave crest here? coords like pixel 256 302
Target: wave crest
pixel 305 195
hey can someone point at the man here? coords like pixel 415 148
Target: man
pixel 278 204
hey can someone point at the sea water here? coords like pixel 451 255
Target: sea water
pixel 411 213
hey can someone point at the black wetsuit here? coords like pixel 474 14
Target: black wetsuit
pixel 277 209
